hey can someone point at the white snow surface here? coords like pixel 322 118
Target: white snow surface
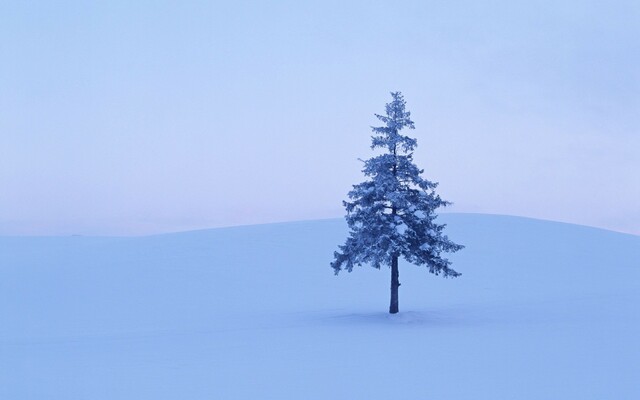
pixel 543 310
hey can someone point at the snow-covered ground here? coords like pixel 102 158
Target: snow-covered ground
pixel 543 310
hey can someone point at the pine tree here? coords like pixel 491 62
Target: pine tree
pixel 392 214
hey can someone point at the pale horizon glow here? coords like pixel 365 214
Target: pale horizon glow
pixel 120 118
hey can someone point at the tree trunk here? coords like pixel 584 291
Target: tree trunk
pixel 395 283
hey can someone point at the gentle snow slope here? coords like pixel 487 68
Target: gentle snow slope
pixel 543 310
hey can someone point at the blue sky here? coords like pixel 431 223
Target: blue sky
pixel 143 117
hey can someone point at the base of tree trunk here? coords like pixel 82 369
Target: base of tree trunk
pixel 395 283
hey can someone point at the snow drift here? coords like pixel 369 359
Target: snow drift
pixel 542 310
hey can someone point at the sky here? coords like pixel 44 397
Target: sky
pixel 131 118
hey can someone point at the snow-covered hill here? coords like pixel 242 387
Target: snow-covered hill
pixel 543 310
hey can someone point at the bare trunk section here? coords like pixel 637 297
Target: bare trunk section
pixel 395 283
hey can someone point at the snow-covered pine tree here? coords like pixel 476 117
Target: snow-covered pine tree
pixel 392 214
